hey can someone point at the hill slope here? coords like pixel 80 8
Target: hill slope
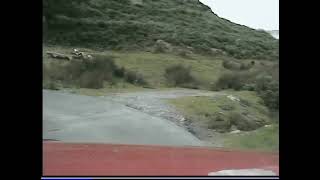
pixel 138 24
pixel 274 33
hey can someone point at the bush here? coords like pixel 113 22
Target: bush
pixel 178 75
pixel 219 122
pixel 249 87
pixel 120 72
pixel 268 90
pixel 262 82
pixel 192 85
pixel 86 74
pixel 236 80
pixel 242 122
pixel 135 78
pixel 270 98
pixel 91 79
pixel 90 74
pixel 265 81
pixel 184 53
pixel 159 49
pixel 101 64
pixel 245 102
pixel 245 66
pixel 162 47
pixel 74 69
pixel 231 65
pixel 50 85
pixel 230 81
pixel 54 72
pixel 227 107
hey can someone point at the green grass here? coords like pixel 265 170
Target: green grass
pixel 263 139
pixel 205 69
pixel 198 107
pixel 197 110
pixel 152 66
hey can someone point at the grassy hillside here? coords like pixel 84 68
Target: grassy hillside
pixel 206 69
pixel 222 114
pixel 138 24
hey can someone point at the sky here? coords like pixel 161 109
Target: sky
pixel 257 14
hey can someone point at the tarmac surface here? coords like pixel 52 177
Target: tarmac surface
pixel 76 118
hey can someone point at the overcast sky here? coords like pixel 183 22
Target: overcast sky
pixel 257 14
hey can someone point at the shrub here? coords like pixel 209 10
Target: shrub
pixel 245 102
pixel 231 65
pixel 270 98
pixel 249 87
pixel 135 78
pixel 178 75
pixel 120 72
pixel 262 82
pixel 227 107
pixel 229 81
pixel 91 79
pixel 87 74
pixel 192 85
pixel 242 122
pixel 219 122
pixel 245 66
pixel 100 63
pixel 268 90
pixel 236 80
pixel 50 85
pixel 162 47
pixel 74 69
pixel 90 74
pixel 184 53
pixel 52 72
